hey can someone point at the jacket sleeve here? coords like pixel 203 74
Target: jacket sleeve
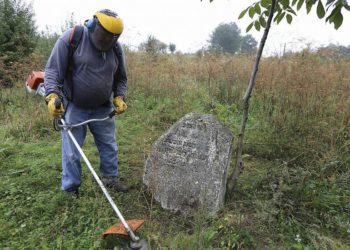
pixel 120 78
pixel 56 66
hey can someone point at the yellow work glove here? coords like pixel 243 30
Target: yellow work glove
pixel 53 110
pixel 120 105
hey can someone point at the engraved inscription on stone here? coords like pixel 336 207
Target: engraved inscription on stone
pixel 187 168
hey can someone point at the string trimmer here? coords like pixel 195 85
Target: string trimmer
pixel 35 85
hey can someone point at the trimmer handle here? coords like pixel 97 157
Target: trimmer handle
pixel 58 103
pixel 113 113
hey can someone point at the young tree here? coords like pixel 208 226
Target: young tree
pixel 226 37
pixel 264 12
pixel 17 30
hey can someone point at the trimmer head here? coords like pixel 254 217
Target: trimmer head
pixel 119 229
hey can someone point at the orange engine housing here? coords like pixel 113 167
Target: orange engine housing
pixel 35 79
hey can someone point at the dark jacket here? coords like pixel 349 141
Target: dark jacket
pixel 94 75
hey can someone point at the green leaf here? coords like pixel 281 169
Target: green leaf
pixel 279 19
pixel 294 2
pixel 257 9
pixel 278 14
pixel 266 13
pixel 251 12
pixel 262 21
pixel 320 10
pixel 300 3
pixel 249 27
pixel 243 13
pixel 338 20
pixel 278 8
pixel 330 18
pixel 265 3
pixel 309 4
pixel 257 25
pixel 289 18
pixel 285 3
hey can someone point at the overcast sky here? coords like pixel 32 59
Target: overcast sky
pixel 188 23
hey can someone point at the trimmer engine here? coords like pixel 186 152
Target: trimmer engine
pixel 35 83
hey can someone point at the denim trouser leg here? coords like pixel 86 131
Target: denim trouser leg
pixel 104 136
pixel 71 166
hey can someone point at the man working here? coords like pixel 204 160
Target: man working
pixel 85 80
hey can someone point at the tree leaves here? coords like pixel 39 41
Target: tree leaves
pixel 17 30
pixel 285 10
pixel 265 3
pixel 336 17
pixel 251 12
pixel 262 21
pixel 289 18
pixel 249 27
pixel 257 9
pixel 300 3
pixel 257 25
pixel 309 4
pixel 243 13
pixel 320 10
pixel 338 20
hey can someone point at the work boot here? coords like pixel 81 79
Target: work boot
pixel 73 192
pixel 115 183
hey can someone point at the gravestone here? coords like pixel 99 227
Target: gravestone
pixel 187 167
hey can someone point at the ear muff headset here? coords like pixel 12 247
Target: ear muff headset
pixel 91 24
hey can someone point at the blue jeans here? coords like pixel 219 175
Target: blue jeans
pixel 104 137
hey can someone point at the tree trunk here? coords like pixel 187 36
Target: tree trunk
pixel 232 180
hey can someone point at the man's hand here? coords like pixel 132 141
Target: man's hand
pixel 120 105
pixel 52 100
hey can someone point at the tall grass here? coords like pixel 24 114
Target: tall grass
pixel 299 122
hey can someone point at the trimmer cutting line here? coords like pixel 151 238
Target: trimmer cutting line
pixel 124 227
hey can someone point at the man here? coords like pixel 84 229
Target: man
pixel 89 81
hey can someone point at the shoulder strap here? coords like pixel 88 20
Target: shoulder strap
pixel 74 40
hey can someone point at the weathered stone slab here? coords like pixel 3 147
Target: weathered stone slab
pixel 187 168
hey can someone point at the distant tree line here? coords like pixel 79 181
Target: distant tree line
pixel 335 50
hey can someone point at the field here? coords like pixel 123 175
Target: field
pixel 294 192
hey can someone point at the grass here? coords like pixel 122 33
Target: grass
pixel 294 191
